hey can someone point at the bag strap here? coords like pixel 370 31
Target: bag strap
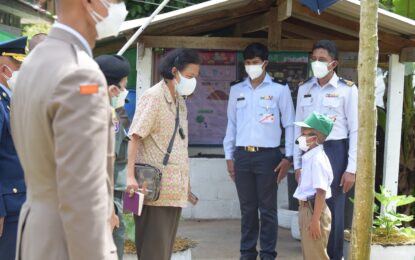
pixel 170 148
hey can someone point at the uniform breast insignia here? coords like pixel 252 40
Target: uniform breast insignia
pixel 115 121
pixel 304 81
pixel 267 97
pixel 332 95
pixel 117 127
pixel 88 89
pixel 347 82
pixel 235 82
pixel 279 81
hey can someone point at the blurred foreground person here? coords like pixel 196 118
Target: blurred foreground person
pixel 12 186
pixel 63 138
pixel 116 69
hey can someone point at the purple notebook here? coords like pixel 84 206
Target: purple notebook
pixel 133 204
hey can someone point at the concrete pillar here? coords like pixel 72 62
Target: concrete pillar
pixel 144 68
pixel 393 124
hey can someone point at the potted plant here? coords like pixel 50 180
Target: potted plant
pixel 390 239
pixel 181 249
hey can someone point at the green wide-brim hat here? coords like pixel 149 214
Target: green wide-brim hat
pixel 319 122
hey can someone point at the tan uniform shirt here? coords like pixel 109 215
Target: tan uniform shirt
pixel 154 122
pixel 61 121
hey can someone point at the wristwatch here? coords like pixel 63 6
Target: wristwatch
pixel 288 158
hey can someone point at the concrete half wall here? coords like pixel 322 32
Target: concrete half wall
pixel 216 191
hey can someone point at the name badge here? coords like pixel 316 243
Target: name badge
pixel 307 100
pixel 267 118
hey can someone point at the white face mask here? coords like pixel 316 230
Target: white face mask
pixel 302 143
pixel 254 71
pixel 186 86
pixel 11 81
pixel 110 25
pixel 320 68
pixel 119 101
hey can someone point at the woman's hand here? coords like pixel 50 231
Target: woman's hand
pixel 132 185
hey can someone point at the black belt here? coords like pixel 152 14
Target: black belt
pixel 336 142
pixel 254 149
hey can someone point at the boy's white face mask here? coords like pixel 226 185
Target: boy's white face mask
pixel 302 143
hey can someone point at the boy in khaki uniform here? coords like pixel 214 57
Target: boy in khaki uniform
pixel 314 187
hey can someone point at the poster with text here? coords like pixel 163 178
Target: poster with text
pixel 207 106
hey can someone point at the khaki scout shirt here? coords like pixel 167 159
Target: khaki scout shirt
pixel 154 122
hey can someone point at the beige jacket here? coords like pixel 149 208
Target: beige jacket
pixel 61 120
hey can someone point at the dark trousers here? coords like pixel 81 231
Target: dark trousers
pixel 257 190
pixel 155 232
pixel 8 241
pixel 118 233
pixel 337 152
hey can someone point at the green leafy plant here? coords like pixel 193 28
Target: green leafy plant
pixel 129 226
pixel 388 223
pixel 387 220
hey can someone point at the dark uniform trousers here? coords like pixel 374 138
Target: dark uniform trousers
pixel 337 152
pixel 257 190
pixel 12 186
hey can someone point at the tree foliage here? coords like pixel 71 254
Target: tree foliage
pixel 144 8
pixel 402 7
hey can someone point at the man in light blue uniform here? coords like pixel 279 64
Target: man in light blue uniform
pixel 12 185
pixel 257 107
pixel 336 98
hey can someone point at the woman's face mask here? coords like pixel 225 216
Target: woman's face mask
pixel 109 25
pixel 186 86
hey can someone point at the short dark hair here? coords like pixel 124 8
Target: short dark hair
pixel 178 58
pixel 256 50
pixel 328 45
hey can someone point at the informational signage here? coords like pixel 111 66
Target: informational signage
pixel 207 106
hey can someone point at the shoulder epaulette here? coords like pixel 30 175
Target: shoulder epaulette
pixel 236 82
pixel 279 81
pixel 347 82
pixel 304 81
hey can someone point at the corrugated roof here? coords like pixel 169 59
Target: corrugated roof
pixel 349 9
pixel 386 20
pixel 202 9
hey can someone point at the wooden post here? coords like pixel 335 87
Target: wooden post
pixel 366 153
pixel 274 30
pixel 393 124
pixel 144 69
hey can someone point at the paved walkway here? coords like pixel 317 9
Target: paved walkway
pixel 219 240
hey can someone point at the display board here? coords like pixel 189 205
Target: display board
pixel 207 107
